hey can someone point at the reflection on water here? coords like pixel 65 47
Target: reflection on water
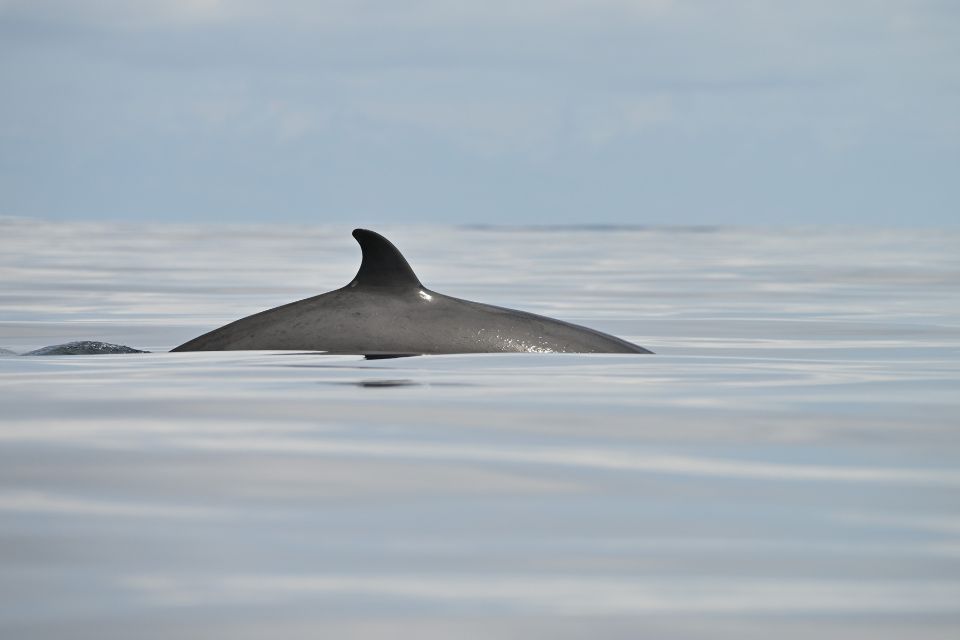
pixel 786 466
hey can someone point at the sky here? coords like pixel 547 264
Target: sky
pixel 687 112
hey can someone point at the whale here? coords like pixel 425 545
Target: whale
pixel 385 311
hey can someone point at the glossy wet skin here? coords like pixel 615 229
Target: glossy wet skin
pixel 386 310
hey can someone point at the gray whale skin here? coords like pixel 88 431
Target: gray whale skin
pixel 385 311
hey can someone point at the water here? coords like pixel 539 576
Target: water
pixel 785 465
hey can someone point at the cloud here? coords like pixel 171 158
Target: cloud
pixel 45 502
pixel 702 92
pixel 118 14
pixel 559 594
pixel 121 14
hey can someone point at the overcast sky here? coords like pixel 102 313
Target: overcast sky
pixel 525 111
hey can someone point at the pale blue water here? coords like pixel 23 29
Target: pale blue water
pixel 786 465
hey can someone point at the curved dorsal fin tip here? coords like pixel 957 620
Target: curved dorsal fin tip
pixel 383 265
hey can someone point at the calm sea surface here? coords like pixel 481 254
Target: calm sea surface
pixel 786 466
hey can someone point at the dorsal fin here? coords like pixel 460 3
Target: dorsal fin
pixel 383 265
